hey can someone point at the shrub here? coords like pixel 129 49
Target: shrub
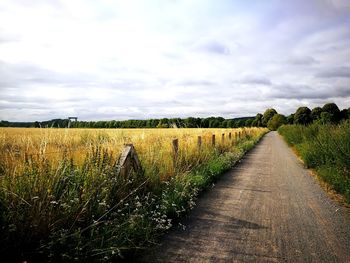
pixel 276 121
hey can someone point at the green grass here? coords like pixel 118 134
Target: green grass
pixel 325 148
pixel 89 213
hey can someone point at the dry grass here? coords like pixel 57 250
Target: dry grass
pixel 59 190
pixel 152 145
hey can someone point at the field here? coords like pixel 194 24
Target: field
pixel 326 149
pixel 62 198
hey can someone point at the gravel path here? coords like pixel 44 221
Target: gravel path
pixel 267 209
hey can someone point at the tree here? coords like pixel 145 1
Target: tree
pixel 344 114
pixel 276 121
pixel 163 123
pixel 239 123
pixel 205 123
pixel 190 122
pixel 290 119
pixel 326 117
pixel 257 122
pixel 333 109
pixel 268 114
pixel 316 113
pixel 302 116
pixel 248 122
pixel 214 123
pixel 230 124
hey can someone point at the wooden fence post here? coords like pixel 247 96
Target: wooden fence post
pixel 199 142
pixel 129 161
pixel 213 140
pixel 229 136
pixel 223 138
pixel 239 135
pixel 175 151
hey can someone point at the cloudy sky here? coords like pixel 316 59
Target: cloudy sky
pixel 112 59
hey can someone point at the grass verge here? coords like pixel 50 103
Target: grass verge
pixel 325 149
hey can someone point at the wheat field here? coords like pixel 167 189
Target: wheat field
pixel 60 189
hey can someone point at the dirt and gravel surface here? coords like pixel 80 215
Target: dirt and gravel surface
pixel 267 209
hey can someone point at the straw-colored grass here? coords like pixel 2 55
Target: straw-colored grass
pixel 62 199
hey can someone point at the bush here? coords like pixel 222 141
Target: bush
pixel 276 121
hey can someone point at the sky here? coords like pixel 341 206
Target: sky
pixel 116 59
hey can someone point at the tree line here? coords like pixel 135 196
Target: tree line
pixel 329 113
pixel 191 122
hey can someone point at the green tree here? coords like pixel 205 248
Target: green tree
pixel 257 122
pixel 248 122
pixel 344 114
pixel 230 124
pixel 290 119
pixel 163 123
pixel 326 117
pixel 276 121
pixel 316 113
pixel 214 123
pixel 333 109
pixel 302 116
pixel 268 114
pixel 205 123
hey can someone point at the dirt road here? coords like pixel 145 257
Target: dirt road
pixel 267 209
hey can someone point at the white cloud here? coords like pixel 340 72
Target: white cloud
pixel 140 59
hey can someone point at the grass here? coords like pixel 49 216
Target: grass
pixel 61 198
pixel 325 148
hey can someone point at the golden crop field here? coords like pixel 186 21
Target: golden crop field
pixel 153 145
pixel 60 188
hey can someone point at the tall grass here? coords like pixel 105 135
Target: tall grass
pixel 61 198
pixel 325 148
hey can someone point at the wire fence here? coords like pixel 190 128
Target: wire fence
pixel 231 136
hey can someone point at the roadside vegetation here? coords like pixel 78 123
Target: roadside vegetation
pixel 63 200
pixel 322 139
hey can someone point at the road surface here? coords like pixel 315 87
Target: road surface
pixel 267 209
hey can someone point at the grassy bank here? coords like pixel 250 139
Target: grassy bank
pixel 326 149
pixel 61 199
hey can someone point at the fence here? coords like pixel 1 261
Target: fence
pixel 129 161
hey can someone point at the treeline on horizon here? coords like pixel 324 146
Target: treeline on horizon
pixel 190 122
pixel 329 113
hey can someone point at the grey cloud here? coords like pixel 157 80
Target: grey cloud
pixel 15 75
pixel 287 91
pixel 302 60
pixel 260 80
pixel 214 47
pixel 337 72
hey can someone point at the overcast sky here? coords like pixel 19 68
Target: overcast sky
pixel 112 59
